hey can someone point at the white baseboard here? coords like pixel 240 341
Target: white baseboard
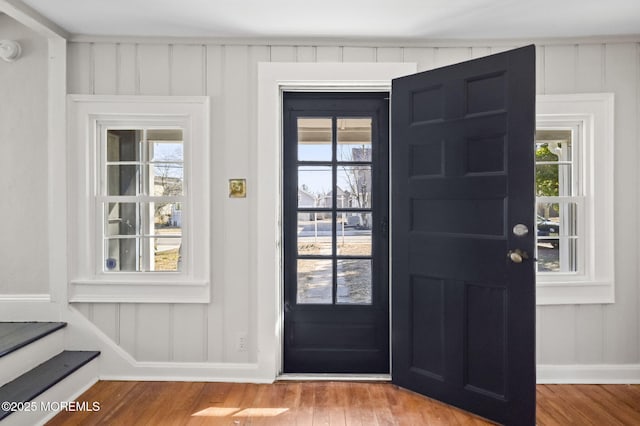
pixel 25 297
pixel 28 307
pixel 589 374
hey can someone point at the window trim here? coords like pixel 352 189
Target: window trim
pixel 88 282
pixel 595 283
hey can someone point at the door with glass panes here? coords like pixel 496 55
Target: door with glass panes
pixel 335 233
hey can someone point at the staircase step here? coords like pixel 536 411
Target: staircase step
pixel 15 335
pixel 34 382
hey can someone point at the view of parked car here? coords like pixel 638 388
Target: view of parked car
pixel 547 228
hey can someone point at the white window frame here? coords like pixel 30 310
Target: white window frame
pixel 88 281
pixel 592 114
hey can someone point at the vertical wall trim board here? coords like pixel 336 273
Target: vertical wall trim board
pixel 172 333
pixel 205 333
pixel 118 64
pixel 137 66
pixel 204 70
pixel 136 334
pixel 170 65
pixel 92 68
pixel 576 69
pixel 222 132
pixel 602 331
pixel 117 323
pixel 604 66
pixel 637 143
pixel 544 69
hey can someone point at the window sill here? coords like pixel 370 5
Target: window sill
pixel 139 291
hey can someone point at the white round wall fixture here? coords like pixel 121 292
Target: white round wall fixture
pixel 10 50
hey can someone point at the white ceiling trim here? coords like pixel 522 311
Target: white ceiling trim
pixel 382 42
pixel 32 19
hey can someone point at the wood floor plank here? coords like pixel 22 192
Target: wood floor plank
pixel 304 410
pixel 628 395
pixel 603 399
pixel 108 394
pixel 549 411
pixel 571 414
pixel 329 403
pixel 174 409
pixel 379 402
pixel 287 398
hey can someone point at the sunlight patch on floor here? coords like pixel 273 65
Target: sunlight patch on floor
pixel 239 412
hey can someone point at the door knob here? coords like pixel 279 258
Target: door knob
pixel 517 255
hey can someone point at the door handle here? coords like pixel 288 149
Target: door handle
pixel 517 255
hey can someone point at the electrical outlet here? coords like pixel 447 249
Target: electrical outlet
pixel 242 342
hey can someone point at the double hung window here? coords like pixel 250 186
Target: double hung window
pixel 139 189
pixel 574 198
pixel 560 200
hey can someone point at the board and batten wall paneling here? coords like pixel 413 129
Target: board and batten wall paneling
pixel 423 57
pixel 257 54
pixel 154 69
pixel 79 72
pixel 24 259
pixel 217 174
pixel 189 336
pixel 621 340
pixel 389 54
pixel 556 331
pixel 451 55
pixel 305 54
pixel 572 334
pixel 127 69
pixel 105 63
pixel 188 69
pixel 328 54
pixel 589 324
pixel 235 149
pixel 600 334
pixel 358 54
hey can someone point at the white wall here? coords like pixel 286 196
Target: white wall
pixel 571 335
pixel 23 165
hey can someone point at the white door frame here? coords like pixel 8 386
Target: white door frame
pixel 273 79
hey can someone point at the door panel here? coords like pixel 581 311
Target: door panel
pixel 463 314
pixel 335 244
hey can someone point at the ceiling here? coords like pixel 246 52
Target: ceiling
pixel 345 19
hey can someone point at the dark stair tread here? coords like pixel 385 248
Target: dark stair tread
pixel 41 378
pixel 15 335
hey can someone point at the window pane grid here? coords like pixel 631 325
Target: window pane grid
pixel 559 202
pixel 142 199
pixel 334 185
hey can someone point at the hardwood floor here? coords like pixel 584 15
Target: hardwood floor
pixel 330 403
